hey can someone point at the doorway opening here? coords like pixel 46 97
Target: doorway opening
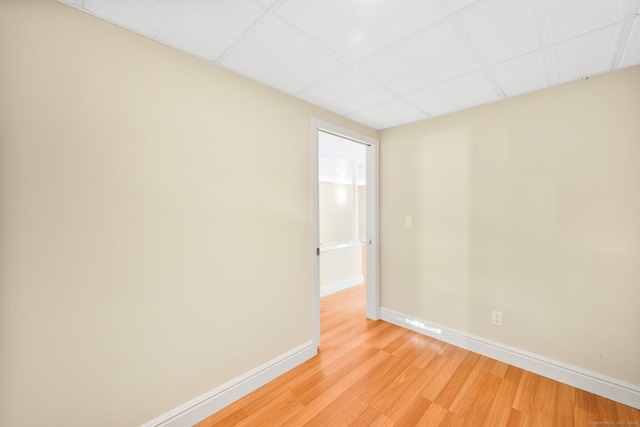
pixel 345 216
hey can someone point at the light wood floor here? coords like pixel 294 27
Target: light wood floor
pixel 372 373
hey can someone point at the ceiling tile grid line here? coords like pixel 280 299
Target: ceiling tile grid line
pixel 361 25
pixel 632 15
pixel 193 35
pixel 245 34
pixel 473 45
pixel 383 83
pixel 143 17
pixel 389 62
pixel 415 69
pixel 540 11
pixel 297 56
pixel 171 20
pixel 173 13
pixel 404 82
pixel 631 53
pixel 356 65
pixel 326 78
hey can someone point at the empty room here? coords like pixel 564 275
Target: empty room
pixel 162 179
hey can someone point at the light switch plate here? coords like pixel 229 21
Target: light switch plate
pixel 408 221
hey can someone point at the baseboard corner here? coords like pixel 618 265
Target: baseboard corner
pixel 610 388
pixel 211 402
pixel 342 285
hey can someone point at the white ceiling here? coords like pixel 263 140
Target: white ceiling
pixel 389 62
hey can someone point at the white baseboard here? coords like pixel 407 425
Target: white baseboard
pixel 619 391
pixel 203 406
pixel 339 286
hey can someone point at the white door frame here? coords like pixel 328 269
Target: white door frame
pixel 373 255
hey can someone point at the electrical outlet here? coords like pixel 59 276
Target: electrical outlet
pixel 496 318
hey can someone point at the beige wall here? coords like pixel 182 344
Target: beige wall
pixel 530 206
pixel 340 265
pixel 336 217
pixel 154 222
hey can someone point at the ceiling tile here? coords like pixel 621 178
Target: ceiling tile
pixel 266 3
pixel 556 7
pixel 343 106
pixel 232 17
pixel 632 51
pixel 197 40
pixel 407 83
pixel 349 81
pixel 501 48
pixel 634 34
pixel 276 39
pixel 286 80
pixel 319 94
pixel 591 66
pixel 433 43
pixel 372 96
pixel 356 42
pixel 385 65
pixel 529 84
pixel 398 112
pixel 247 63
pixel 519 68
pixel 449 66
pixel 317 18
pixel 432 100
pixel 317 64
pixel 492 18
pixel 586 46
pixel 398 19
pixel 163 3
pixel 631 56
pixel 365 7
pixel 470 89
pixel 371 119
pixel 585 16
pixel 138 15
pixel 461 4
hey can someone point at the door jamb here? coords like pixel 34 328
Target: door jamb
pixel 373 218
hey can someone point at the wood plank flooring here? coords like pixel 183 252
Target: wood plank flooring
pixel 372 373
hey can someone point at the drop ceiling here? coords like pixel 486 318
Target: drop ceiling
pixel 385 63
